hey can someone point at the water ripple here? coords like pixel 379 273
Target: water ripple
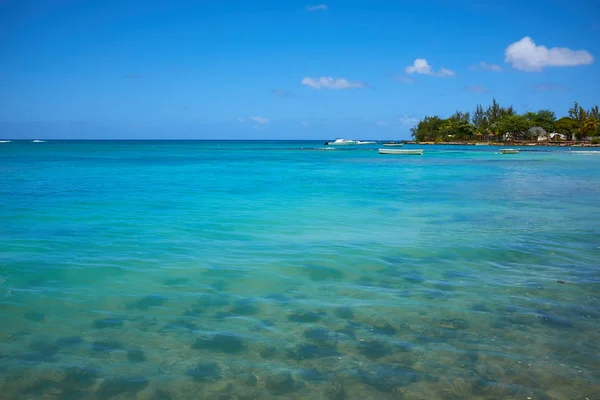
pixel 225 269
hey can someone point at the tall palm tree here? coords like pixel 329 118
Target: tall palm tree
pixel 589 127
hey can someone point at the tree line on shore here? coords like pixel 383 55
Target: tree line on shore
pixel 499 123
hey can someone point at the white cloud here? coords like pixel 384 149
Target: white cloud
pixel 260 120
pixel 407 121
pixel 527 56
pixel 241 120
pixel 331 83
pixel 476 89
pixel 421 66
pixel 381 123
pixel 488 67
pixel 445 72
pixel 318 7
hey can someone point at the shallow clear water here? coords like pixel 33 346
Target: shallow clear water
pixel 185 270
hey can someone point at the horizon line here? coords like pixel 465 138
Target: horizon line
pixel 187 140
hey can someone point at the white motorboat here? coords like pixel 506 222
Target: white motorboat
pixel 413 152
pixel 393 144
pixel 359 142
pixel 342 142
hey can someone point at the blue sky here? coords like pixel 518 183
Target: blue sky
pixel 284 69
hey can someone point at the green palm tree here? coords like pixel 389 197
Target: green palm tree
pixel 589 127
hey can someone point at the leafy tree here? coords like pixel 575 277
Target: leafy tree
pixel 492 114
pixel 428 129
pixel 587 121
pixel 515 124
pixel 574 111
pixel 543 118
pixel 457 127
pixel 464 130
pixel 566 125
pixel 498 120
pixel 479 120
pixel 594 112
pixel 461 116
pixel 589 127
pixel 578 114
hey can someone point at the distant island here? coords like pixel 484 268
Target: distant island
pixel 499 124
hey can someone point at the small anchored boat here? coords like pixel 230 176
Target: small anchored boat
pixel 509 151
pixel 415 152
pixel 393 144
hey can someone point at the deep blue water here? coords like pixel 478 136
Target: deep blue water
pixel 252 270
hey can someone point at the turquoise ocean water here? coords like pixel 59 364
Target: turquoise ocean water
pixel 259 270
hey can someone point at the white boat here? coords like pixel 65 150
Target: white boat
pixel 509 151
pixel 342 142
pixel 393 144
pixel 359 142
pixel 415 152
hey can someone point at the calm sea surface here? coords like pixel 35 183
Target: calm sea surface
pixel 260 270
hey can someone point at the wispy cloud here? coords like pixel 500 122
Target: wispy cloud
pixel 133 76
pixel 260 120
pixel 257 120
pixel 318 7
pixel 305 123
pixel 525 55
pixel 407 121
pixel 421 66
pixel 487 67
pixel 475 89
pixel 404 79
pixel 382 123
pixel 549 86
pixel 282 93
pixel 331 83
